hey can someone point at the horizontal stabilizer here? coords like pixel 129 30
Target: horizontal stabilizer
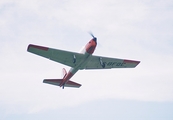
pixel 57 82
pixel 72 84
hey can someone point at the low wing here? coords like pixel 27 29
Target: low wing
pixel 58 81
pixel 98 62
pixel 65 57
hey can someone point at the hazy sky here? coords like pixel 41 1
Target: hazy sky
pixel 129 29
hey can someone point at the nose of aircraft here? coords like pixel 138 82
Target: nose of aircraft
pixel 95 39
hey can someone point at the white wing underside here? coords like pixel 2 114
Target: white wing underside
pixel 94 62
pixel 99 62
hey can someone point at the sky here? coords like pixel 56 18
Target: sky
pixel 130 29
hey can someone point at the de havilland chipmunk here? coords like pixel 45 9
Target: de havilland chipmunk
pixel 78 61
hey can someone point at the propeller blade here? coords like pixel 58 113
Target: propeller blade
pixel 91 34
pixel 94 38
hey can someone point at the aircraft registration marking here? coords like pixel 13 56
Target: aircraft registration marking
pixel 114 63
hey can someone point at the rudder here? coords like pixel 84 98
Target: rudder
pixel 64 73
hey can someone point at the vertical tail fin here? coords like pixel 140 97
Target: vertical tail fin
pixel 64 73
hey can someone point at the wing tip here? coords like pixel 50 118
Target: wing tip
pixel 132 61
pixel 29 47
pixel 37 47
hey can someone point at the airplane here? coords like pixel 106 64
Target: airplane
pixel 78 61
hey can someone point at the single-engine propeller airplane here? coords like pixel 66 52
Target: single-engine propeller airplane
pixel 78 61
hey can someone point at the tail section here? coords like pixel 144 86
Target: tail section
pixel 57 82
pixel 72 84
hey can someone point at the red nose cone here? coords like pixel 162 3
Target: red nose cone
pixel 90 47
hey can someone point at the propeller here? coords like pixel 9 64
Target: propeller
pixel 94 38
